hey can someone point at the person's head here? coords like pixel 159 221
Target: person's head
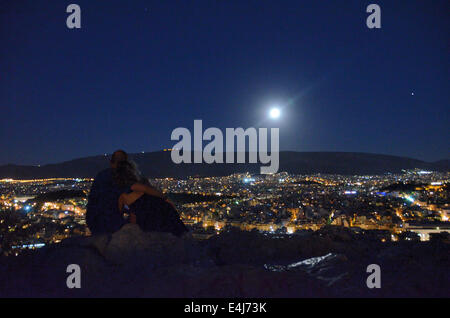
pixel 126 173
pixel 118 156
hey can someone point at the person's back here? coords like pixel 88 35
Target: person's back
pixel 102 213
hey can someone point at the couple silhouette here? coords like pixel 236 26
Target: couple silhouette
pixel 121 195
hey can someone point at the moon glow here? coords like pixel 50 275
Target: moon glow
pixel 274 113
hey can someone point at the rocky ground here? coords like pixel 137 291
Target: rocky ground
pixel 330 262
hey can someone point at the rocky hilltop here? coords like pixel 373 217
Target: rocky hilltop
pixel 330 262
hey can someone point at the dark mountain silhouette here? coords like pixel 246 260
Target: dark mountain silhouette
pixel 159 164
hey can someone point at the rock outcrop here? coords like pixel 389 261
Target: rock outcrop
pixel 131 263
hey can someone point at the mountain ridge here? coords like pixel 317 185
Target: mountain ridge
pixel 159 164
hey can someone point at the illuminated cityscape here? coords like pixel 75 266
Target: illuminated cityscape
pixel 413 205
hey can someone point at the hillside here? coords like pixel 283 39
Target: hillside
pixel 159 164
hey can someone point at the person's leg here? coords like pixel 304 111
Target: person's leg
pixel 172 221
pixel 155 214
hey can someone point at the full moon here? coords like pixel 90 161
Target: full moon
pixel 274 113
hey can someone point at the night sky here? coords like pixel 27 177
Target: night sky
pixel 136 70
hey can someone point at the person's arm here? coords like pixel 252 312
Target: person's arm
pixel 139 187
pixel 128 198
pixel 121 203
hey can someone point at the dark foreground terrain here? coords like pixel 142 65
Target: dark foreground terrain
pixel 331 262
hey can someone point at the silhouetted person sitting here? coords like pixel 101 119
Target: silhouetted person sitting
pixel 146 206
pixel 102 213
